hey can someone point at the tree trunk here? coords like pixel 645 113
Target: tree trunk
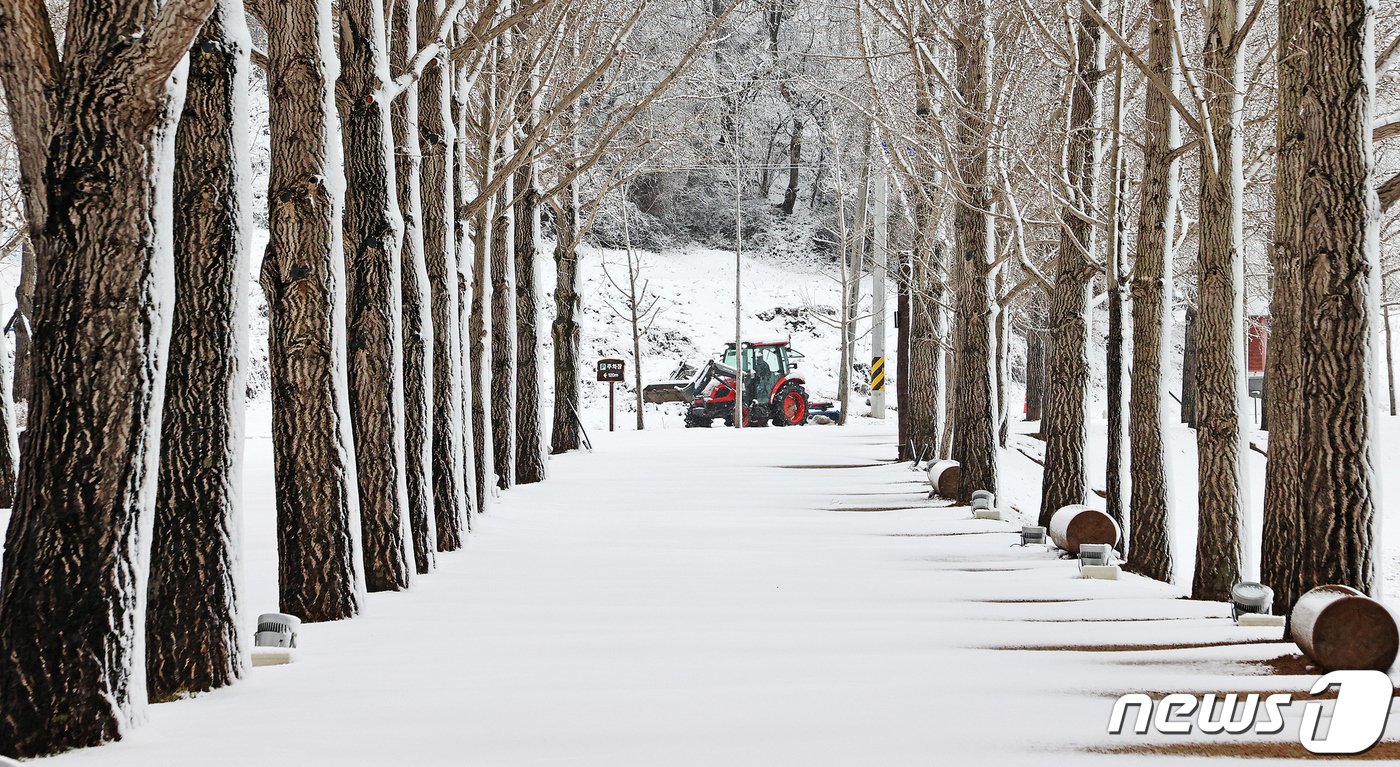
pixel 503 300
pixel 303 277
pixel 73 590
pixel 794 184
pixel 1340 278
pixel 1284 527
pixel 530 464
pixel 417 330
pixel 1188 368
pixel 1152 292
pixel 193 628
pixel 901 383
pixel 437 138
pixel 373 233
pixel 566 436
pixel 1220 380
pixel 1035 373
pixel 467 239
pixel 1390 362
pixel 24 313
pixel 974 395
pixel 1067 373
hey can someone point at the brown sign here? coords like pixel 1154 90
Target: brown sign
pixel 612 371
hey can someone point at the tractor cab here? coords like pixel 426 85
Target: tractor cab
pixel 765 364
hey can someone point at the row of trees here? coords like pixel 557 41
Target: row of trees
pixel 1140 160
pixel 416 146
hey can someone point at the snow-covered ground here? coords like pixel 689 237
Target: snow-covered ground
pixel 770 597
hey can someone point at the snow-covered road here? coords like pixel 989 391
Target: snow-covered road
pixel 713 598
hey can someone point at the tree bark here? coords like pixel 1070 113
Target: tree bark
pixel 1220 383
pixel 974 396
pixel 193 630
pixel 1067 372
pixel 902 312
pixel 73 590
pixel 1189 358
pixel 303 277
pixel 1035 374
pixel 530 464
pixel 1340 279
pixel 437 138
pixel 565 436
pixel 1152 294
pixel 416 291
pixel 373 234
pixel 1284 527
pixel 503 301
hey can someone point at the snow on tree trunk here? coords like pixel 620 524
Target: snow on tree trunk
pixel 1151 287
pixel 529 430
pixel 303 278
pixel 1340 278
pixel 436 138
pixel 373 235
pixel 1220 383
pixel 416 297
pixel 73 590
pixel 974 397
pixel 480 339
pixel 1284 527
pixel 1067 371
pixel 194 636
pixel 465 179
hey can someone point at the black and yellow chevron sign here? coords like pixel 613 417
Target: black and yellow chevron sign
pixel 877 374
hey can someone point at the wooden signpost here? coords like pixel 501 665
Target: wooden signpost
pixel 611 371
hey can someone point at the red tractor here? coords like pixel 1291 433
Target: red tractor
pixel 771 391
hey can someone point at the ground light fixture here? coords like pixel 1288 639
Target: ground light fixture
pixel 1034 535
pixel 276 640
pixel 1249 598
pixel 1095 555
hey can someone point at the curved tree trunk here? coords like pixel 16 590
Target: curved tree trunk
pixel 1151 286
pixel 436 137
pixel 373 234
pixel 1284 526
pixel 1340 278
pixel 303 277
pixel 1067 372
pixel 417 330
pixel 1220 384
pixel 193 629
pixel 73 590
pixel 529 430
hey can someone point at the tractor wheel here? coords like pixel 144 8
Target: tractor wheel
pixel 748 420
pixel 791 406
pixel 697 422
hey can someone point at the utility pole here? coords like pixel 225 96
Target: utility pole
pixel 881 215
